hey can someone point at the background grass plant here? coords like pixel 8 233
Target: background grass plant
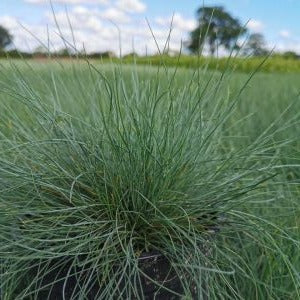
pixel 103 163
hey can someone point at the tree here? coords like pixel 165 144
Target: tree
pixel 290 55
pixel 5 38
pixel 256 45
pixel 215 27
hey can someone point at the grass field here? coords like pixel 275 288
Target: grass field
pixel 274 64
pixel 101 163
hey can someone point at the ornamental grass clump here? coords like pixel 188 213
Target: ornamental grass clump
pixel 118 182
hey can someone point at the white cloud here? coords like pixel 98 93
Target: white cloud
pixel 85 18
pixel 92 28
pixel 290 46
pixel 115 15
pixel 9 22
pixel 68 1
pixel 79 18
pixel 255 25
pixel 29 38
pixel 178 22
pixel 131 6
pixel 80 10
pixel 284 34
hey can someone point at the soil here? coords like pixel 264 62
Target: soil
pixel 152 264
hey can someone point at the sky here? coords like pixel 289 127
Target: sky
pixel 124 26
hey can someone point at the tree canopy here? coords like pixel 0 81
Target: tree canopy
pixel 5 38
pixel 256 45
pixel 216 27
pixel 291 55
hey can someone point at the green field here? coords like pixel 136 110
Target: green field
pixel 101 163
pixel 271 64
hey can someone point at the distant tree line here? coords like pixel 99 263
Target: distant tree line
pixel 63 53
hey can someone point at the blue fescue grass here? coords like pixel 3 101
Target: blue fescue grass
pixel 102 163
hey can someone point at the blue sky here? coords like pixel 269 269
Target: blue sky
pixel 94 22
